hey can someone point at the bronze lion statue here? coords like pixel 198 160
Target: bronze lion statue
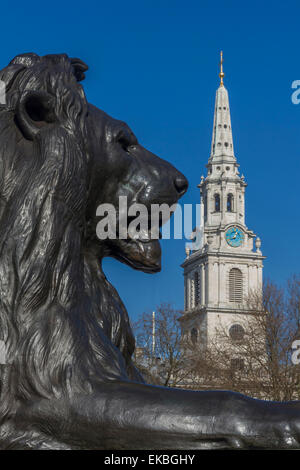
pixel 68 381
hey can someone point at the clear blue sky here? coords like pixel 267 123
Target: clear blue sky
pixel 154 64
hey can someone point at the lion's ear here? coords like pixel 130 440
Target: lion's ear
pixel 34 111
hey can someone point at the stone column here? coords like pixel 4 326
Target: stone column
pixel 249 278
pixel 208 204
pixel 185 293
pixel 242 205
pixel 206 277
pixel 188 296
pixel 222 285
pixel 202 270
pixel 223 202
pixel 260 278
pixel 214 282
pixel 236 205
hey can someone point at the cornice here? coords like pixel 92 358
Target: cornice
pixel 221 254
pixel 205 309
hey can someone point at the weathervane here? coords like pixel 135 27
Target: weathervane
pixel 221 74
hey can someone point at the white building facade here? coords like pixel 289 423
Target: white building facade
pixel 227 264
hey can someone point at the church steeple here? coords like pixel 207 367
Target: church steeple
pixel 222 143
pixel 225 267
pixel 222 191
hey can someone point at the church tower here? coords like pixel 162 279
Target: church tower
pixel 225 267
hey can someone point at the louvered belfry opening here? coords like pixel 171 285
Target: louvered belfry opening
pixel 217 203
pixel 235 285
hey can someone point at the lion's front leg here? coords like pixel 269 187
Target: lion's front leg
pixel 135 416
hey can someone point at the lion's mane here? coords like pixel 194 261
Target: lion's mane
pixel 64 326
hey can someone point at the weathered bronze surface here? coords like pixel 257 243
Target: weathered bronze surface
pixel 68 381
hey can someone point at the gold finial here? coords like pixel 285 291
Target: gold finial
pixel 221 74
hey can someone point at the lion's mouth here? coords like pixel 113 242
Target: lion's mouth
pixel 137 245
pixel 141 249
pixel 142 255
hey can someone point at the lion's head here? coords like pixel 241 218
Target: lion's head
pixel 122 167
pixel 64 326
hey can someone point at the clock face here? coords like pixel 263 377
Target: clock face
pixel 234 236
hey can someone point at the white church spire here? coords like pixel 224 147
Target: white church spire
pixel 222 143
pixel 221 272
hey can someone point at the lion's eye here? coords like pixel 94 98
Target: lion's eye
pixel 125 139
pixel 124 142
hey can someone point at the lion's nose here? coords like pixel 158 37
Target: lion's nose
pixel 181 184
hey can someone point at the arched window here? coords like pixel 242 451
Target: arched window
pixel 230 203
pixel 236 332
pixel 196 288
pixel 237 364
pixel 235 285
pixel 217 202
pixel 194 335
